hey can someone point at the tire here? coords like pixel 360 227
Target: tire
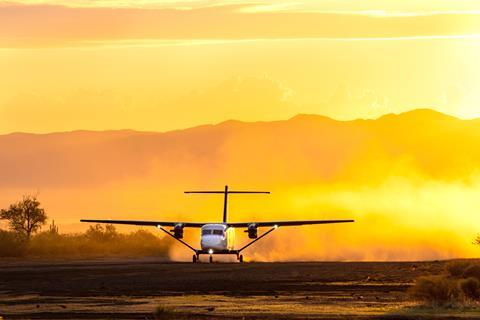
pixel 211 259
pixel 240 259
pixel 194 258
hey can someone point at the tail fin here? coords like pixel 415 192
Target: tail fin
pixel 226 192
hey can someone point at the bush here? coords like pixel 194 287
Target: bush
pixel 11 245
pixel 459 283
pixel 97 241
pixel 457 268
pixel 473 270
pixel 101 233
pixel 436 290
pixel 162 312
pixel 470 288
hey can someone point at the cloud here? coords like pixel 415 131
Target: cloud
pixel 86 108
pixel 55 25
pixel 233 98
pixel 345 102
pixel 237 96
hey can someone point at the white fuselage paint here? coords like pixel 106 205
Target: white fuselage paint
pixel 217 237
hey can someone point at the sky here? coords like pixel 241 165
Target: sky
pixel 166 65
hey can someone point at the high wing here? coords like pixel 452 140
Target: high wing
pixel 230 224
pixel 148 223
pixel 284 223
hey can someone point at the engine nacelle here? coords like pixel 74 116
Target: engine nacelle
pixel 178 231
pixel 252 231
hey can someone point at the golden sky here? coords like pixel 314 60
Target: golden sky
pixel 163 65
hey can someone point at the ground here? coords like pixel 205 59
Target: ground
pixel 134 288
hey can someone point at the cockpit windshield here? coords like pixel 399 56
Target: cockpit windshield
pixel 214 231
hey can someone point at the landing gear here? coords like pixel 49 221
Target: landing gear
pixel 210 252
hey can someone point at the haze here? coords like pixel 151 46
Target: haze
pixel 412 192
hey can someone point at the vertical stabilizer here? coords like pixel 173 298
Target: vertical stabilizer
pixel 225 204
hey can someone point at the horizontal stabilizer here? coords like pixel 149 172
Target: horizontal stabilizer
pixel 223 192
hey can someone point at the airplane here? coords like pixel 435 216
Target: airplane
pixel 218 238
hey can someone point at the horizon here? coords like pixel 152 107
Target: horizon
pixel 410 111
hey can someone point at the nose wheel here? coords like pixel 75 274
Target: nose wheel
pixel 210 253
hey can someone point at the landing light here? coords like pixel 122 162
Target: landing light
pixel 275 226
pixel 159 226
pixel 210 251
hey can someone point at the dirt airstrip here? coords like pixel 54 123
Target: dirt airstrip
pixel 133 289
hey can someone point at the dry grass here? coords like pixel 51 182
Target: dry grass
pixel 11 245
pixel 470 287
pixel 98 241
pixel 163 312
pixel 459 285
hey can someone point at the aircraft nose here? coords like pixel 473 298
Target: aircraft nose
pixel 211 242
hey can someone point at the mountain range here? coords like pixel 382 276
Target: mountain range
pixel 304 149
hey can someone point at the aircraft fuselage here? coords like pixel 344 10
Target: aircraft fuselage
pixel 217 237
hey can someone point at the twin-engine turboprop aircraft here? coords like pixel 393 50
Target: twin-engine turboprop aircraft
pixel 218 238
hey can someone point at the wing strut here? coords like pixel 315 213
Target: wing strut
pixel 252 242
pixel 179 240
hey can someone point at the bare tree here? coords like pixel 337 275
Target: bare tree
pixel 25 217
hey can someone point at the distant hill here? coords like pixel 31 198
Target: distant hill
pixel 303 149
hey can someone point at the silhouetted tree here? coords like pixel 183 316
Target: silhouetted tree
pixel 25 217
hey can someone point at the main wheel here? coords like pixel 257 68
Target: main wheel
pixel 211 259
pixel 240 259
pixel 194 258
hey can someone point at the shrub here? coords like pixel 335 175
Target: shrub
pixel 470 288
pixel 163 312
pixel 457 268
pixel 435 290
pixel 459 283
pixel 101 233
pixel 473 270
pixel 97 241
pixel 11 245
